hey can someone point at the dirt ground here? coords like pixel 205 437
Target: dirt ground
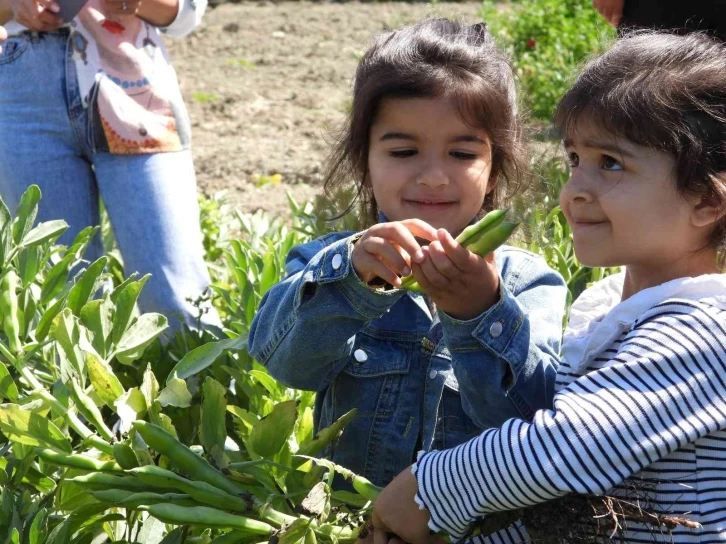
pixel 267 84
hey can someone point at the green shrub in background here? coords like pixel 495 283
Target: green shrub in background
pixel 546 39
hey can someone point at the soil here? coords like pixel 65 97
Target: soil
pixel 267 85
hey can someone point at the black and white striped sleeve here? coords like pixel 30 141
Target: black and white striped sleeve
pixel 663 389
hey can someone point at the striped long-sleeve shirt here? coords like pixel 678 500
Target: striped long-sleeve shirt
pixel 650 405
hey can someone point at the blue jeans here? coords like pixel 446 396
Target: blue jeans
pixel 151 199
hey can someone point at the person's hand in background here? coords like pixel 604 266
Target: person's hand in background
pixel 38 15
pixel 611 10
pixel 160 13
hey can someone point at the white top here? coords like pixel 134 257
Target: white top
pixel 188 18
pixel 640 395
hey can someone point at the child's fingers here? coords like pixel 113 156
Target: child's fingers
pixel 431 276
pixel 459 255
pixel 395 257
pixel 398 233
pixel 441 261
pixel 420 228
pixel 375 267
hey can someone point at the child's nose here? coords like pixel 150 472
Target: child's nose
pixel 432 174
pixel 577 188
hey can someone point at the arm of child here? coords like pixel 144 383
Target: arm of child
pixel 304 329
pixel 506 359
pixel 665 388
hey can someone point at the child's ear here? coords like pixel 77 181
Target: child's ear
pixel 491 183
pixel 708 210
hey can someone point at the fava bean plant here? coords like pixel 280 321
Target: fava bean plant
pixel 108 434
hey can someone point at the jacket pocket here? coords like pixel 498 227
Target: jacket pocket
pixel 456 426
pixel 373 378
pixel 13 48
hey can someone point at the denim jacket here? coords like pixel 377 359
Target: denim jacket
pixel 419 379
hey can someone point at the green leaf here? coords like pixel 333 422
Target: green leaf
pixel 270 273
pixel 85 286
pixel 50 230
pixel 5 217
pixel 213 431
pixel 271 432
pixel 272 386
pixel 125 303
pixel 205 355
pixel 130 406
pixel 31 429
pixel 175 394
pixel 56 278
pixel 28 265
pixel 138 336
pixel 174 537
pixel 325 436
pixel 38 529
pixel 305 426
pixel 97 317
pixel 149 387
pixel 26 213
pixel 8 389
pixel 67 334
pixel 46 321
pixel 105 383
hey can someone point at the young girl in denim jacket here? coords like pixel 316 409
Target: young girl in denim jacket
pixel 641 390
pixel 432 142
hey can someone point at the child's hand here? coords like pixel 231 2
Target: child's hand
pixel 396 516
pixel 459 282
pixel 388 250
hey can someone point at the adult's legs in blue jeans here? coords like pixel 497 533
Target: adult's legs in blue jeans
pixel 42 136
pixel 152 203
pixel 151 199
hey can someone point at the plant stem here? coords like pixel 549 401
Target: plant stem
pixel 76 424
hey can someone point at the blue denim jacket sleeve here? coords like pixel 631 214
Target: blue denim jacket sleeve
pixel 523 331
pixel 305 328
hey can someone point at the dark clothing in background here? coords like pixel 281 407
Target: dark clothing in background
pixel 681 16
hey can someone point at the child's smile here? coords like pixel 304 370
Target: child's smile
pixel 426 163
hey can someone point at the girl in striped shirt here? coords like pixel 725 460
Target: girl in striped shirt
pixel 641 390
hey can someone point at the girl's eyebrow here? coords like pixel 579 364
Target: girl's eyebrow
pixel 403 136
pixel 605 146
pixel 397 136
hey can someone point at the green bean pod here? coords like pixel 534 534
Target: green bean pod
pixel 206 517
pixel 11 313
pixel 492 239
pixel 157 477
pixel 132 500
pixel 82 462
pixel 101 481
pixel 124 455
pixel 183 458
pixel 489 221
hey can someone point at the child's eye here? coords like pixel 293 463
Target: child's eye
pixel 403 153
pixel 463 155
pixel 573 160
pixel 609 163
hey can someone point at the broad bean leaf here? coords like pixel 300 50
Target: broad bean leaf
pixel 205 355
pixel 270 434
pixel 31 429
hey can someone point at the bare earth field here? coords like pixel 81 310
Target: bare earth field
pixel 267 84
